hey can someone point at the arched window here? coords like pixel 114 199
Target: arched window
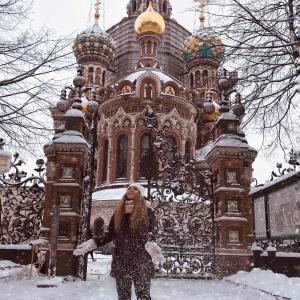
pixel 149 46
pixel 105 161
pixel 205 77
pixel 103 78
pixel 155 49
pixel 122 157
pixel 191 80
pixel 148 91
pixel 98 75
pixel 197 78
pixel 187 151
pixel 144 148
pixel 91 75
pixel 133 6
pixel 165 7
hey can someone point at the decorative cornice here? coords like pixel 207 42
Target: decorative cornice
pixel 200 61
pixel 92 59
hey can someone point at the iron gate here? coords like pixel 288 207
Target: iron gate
pixel 21 204
pixel 181 196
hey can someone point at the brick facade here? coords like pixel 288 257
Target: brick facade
pixel 156 76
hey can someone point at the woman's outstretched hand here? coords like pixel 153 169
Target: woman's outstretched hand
pixel 155 251
pixel 85 247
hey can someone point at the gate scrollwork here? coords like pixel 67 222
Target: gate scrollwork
pixel 181 196
pixel 21 204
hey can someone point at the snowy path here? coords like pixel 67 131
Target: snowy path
pixel 100 286
pixel 104 289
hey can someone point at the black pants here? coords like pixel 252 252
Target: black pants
pixel 91 254
pixel 141 284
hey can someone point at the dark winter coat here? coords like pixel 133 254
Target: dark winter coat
pixel 129 252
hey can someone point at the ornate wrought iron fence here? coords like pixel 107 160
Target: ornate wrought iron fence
pixel 182 199
pixel 288 245
pixel 21 204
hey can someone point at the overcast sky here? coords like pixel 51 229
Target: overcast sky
pixel 67 16
pixel 72 16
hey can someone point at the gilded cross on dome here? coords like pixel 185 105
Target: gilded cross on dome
pixel 97 4
pixel 97 14
pixel 201 9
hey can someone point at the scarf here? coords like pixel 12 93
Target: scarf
pixel 129 206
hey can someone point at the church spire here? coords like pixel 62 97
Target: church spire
pixel 97 14
pixel 149 27
pixel 201 9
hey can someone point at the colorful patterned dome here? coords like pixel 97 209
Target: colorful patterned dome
pixel 203 44
pixel 94 41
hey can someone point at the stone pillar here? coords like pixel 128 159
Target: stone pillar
pixel 132 152
pixel 256 249
pixel 66 163
pixel 271 250
pixel 110 147
pixel 230 160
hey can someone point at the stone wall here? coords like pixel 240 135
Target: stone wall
pixel 227 264
pixel 17 254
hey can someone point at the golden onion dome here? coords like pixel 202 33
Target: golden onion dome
pixel 84 105
pixel 150 21
pixel 203 44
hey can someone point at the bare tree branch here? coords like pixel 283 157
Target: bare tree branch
pixel 259 36
pixel 32 64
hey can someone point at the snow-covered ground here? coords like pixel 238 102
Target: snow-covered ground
pixel 16 285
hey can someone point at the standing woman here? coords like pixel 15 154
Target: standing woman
pixel 131 228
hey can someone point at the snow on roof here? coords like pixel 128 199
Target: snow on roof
pixel 201 153
pixel 271 248
pixel 57 135
pixel 70 137
pixel 19 247
pixel 74 113
pixel 114 191
pixel 232 140
pixel 109 194
pixel 276 180
pixel 114 194
pixel 48 143
pixel 164 77
pixel 227 116
pixel 229 189
pixel 255 247
pixel 132 77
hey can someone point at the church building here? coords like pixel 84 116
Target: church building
pixel 148 60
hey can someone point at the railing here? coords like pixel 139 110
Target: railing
pixel 21 204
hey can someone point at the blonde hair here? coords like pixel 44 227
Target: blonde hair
pixel 138 216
